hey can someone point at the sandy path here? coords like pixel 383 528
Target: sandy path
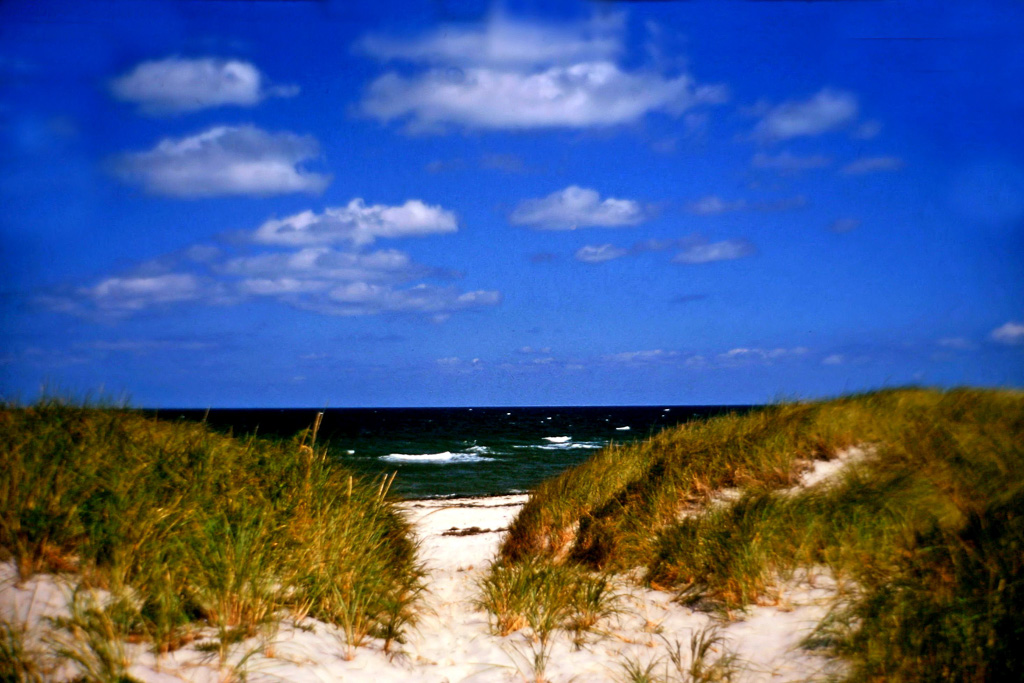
pixel 453 642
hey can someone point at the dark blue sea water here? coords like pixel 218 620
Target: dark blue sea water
pixel 459 451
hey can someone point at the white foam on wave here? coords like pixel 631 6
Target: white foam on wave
pixel 568 446
pixel 622 429
pixel 558 439
pixel 437 458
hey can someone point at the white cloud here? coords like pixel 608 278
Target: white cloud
pixel 651 356
pixel 177 85
pixel 357 224
pixel 745 355
pixel 725 250
pixel 460 365
pixel 1010 333
pixel 280 286
pixel 589 94
pixel 128 294
pixel 577 207
pixel 834 359
pixel 360 298
pixel 321 263
pixel 348 281
pixel 786 162
pixel 599 253
pixel 825 111
pixel 713 205
pixel 503 40
pixel 530 350
pixel 225 160
pixel 316 280
pixel 872 165
pixel 519 75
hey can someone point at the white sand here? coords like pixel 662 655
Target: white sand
pixel 823 473
pixel 453 643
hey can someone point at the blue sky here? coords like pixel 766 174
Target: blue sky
pixel 462 203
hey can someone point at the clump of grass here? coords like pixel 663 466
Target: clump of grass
pixel 633 670
pixel 202 529
pixel 93 637
pixel 710 660
pixel 928 527
pixel 546 597
pixel 19 661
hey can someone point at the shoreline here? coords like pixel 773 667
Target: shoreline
pixel 460 497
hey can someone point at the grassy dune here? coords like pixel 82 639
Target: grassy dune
pixel 928 527
pixel 190 529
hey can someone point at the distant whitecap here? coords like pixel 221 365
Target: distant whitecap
pixel 568 444
pixel 435 458
pixel 558 439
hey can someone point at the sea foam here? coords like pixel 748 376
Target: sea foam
pixel 438 458
pixel 558 443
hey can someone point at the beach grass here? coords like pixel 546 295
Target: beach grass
pixel 926 528
pixel 546 596
pixel 189 530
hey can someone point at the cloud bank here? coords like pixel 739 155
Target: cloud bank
pixel 310 261
pixel 507 75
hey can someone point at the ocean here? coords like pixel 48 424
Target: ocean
pixel 455 452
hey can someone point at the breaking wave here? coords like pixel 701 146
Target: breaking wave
pixel 439 458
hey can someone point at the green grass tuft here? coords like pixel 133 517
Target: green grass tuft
pixel 546 597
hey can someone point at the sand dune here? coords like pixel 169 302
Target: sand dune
pixel 452 641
